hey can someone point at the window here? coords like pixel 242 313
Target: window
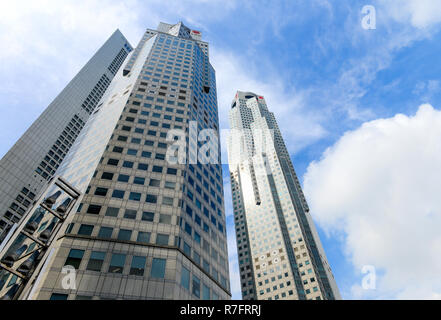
pixel 206 246
pixel 187 249
pixel 74 258
pixel 85 229
pixel 146 154
pixel 151 198
pixel 94 209
pixel 172 171
pixel 143 237
pixel 185 278
pixel 130 214
pixel 158 268
pixel 189 211
pixel 170 185
pixel 187 228
pixel 135 196
pixel 197 237
pixel 58 296
pixel 160 156
pixel 118 194
pixel 137 267
pixel 105 233
pixel 154 183
pixel 162 239
pixel 168 201
pixel 196 290
pixel 117 263
pixel 112 212
pixel 118 149
pixel 205 292
pixel 139 180
pixel 128 164
pixel 96 261
pixel 112 162
pixel 124 235
pixel 165 218
pixel 68 230
pixel 157 169
pixel 107 176
pixel 148 216
pixel 196 257
pixel 142 166
pixel 206 265
pixel 123 178
pixel 101 191
pixel 197 219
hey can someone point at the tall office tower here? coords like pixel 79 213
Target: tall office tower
pixel 33 160
pixel 146 228
pixel 280 254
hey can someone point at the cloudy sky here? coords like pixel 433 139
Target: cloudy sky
pixel 359 109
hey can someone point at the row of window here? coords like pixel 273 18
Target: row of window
pixel 196 286
pixel 128 213
pixel 117 263
pixel 125 234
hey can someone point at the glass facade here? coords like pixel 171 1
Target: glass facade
pixel 33 160
pixel 280 254
pixel 157 221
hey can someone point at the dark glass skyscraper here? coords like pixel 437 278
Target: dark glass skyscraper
pixel 32 161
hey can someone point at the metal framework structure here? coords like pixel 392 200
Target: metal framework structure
pixel 25 247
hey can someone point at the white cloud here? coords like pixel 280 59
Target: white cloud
pixel 426 89
pixel 419 13
pixel 379 186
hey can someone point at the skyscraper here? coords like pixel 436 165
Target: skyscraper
pixel 147 227
pixel 280 253
pixel 34 158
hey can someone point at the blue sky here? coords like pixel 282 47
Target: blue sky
pixel 331 84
